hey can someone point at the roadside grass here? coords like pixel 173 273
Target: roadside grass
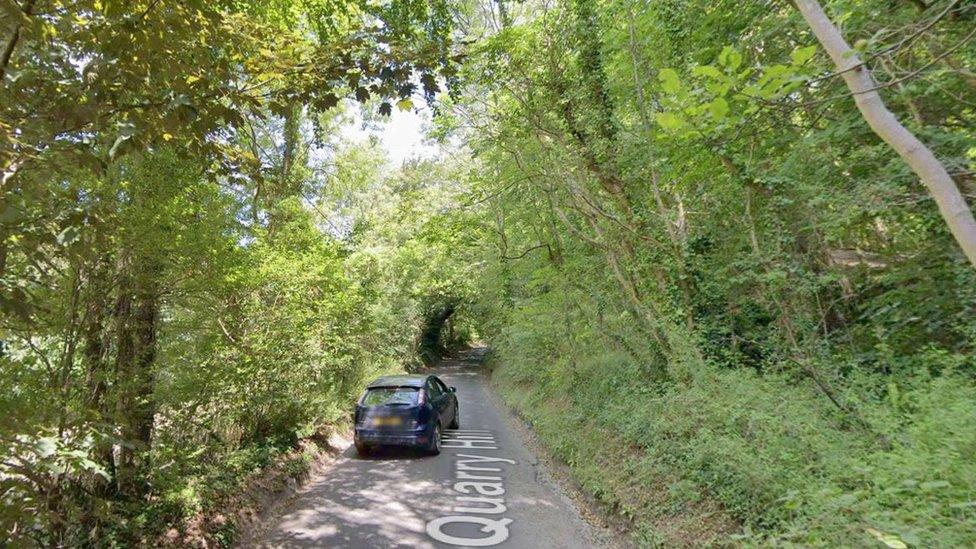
pixel 729 457
pixel 617 474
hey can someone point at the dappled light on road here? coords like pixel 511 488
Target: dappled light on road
pixel 484 489
pixel 362 502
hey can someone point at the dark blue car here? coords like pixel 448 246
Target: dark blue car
pixel 407 410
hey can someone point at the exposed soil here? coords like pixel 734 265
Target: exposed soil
pixel 270 493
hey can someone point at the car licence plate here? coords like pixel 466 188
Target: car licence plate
pixel 392 421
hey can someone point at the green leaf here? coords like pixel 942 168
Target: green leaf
pixel 718 82
pixel 707 70
pixel 670 82
pixel 730 58
pixel 802 55
pixel 669 121
pixel 68 236
pixel 719 108
pixel 405 104
pixel 775 71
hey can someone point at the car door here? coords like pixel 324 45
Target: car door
pixel 437 399
pixel 450 402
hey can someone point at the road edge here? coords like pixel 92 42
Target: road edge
pixel 274 503
pixel 605 529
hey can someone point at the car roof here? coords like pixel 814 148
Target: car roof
pixel 412 380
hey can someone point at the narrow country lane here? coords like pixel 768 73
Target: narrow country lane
pixel 404 499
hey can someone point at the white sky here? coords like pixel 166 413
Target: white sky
pixel 402 134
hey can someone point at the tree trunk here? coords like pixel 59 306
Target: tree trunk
pixel 95 350
pixel 8 50
pixel 430 339
pixel 503 14
pixel 287 184
pixel 136 312
pixel 289 154
pixel 922 161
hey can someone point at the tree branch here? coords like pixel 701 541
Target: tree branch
pixel 8 51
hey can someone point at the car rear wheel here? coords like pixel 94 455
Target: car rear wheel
pixel 362 449
pixel 435 441
pixel 456 422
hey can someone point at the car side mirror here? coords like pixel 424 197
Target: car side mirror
pixel 452 389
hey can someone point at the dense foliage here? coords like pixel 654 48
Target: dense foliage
pixel 707 262
pixel 176 308
pixel 721 292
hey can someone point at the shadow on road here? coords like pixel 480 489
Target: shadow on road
pixel 384 453
pixel 387 498
pixel 378 501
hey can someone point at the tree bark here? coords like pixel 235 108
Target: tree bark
pixel 136 317
pixel 503 14
pixel 430 340
pixel 291 135
pixel 8 50
pixel 287 184
pixel 920 158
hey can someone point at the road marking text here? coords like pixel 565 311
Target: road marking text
pixel 480 492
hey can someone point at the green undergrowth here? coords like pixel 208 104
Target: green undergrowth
pixel 205 508
pixel 782 464
pixel 615 474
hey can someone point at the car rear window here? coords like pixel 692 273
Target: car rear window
pixel 382 396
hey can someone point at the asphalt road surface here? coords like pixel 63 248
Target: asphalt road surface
pixel 485 489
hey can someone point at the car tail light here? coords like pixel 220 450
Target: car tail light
pixel 422 397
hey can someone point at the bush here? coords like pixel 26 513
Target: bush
pixel 772 451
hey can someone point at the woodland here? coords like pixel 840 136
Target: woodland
pixel 723 254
